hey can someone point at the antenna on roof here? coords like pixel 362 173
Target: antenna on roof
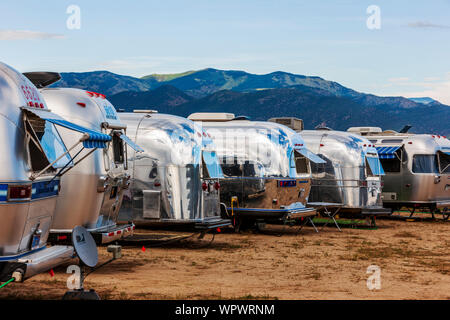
pixel 405 129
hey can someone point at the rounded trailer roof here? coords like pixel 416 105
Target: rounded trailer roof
pixel 267 143
pixel 84 106
pixel 414 143
pixel 344 147
pixel 16 91
pixel 164 135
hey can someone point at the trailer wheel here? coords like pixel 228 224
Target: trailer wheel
pixel 445 214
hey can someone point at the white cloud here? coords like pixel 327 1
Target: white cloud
pixel 27 35
pixel 427 25
pixel 143 65
pixel 433 87
pixel 438 91
pixel 398 80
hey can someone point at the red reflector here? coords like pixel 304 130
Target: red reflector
pixel 410 142
pixel 41 105
pixel 110 234
pixel 30 104
pixel 216 185
pixel 134 227
pixel 119 231
pixel 81 104
pixel 157 184
pixel 62 237
pixel 218 230
pixel 19 192
pixel 322 145
pixel 204 186
pixel 364 183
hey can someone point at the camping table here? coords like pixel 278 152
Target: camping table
pixel 324 207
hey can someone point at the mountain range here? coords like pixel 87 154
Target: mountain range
pixel 313 99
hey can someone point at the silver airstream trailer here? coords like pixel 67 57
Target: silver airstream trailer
pixel 351 174
pixel 266 168
pixel 32 157
pixel 417 169
pixel 92 192
pixel 175 180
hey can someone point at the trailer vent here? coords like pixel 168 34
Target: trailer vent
pixel 293 123
pixel 211 116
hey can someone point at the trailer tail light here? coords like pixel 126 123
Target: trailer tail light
pixel 216 185
pixel 322 145
pixel 62 238
pixel 204 186
pixel 410 142
pixel 19 192
pixel 81 104
pixel 95 95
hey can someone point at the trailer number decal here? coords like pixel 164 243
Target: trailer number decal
pixel 32 96
pixel 287 183
pixel 110 114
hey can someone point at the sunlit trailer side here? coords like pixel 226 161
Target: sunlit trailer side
pixel 266 168
pixel 417 169
pixel 32 157
pixel 91 194
pixel 174 182
pixel 351 175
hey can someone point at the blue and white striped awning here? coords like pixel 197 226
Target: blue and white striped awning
pixel 387 152
pixel 96 139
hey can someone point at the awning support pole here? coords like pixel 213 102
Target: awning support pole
pixel 84 157
pixel 34 176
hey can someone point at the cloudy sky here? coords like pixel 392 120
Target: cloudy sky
pixel 408 55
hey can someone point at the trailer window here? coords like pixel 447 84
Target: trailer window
pixel 393 165
pixel 211 167
pixel 425 163
pixel 299 162
pixel 327 167
pixel 45 144
pixel 444 163
pixel 118 149
pixel 374 164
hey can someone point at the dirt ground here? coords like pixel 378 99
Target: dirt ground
pixel 413 257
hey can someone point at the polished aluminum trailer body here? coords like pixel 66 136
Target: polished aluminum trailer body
pixel 417 169
pixel 92 192
pixel 352 172
pixel 175 180
pixel 30 156
pixel 266 165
